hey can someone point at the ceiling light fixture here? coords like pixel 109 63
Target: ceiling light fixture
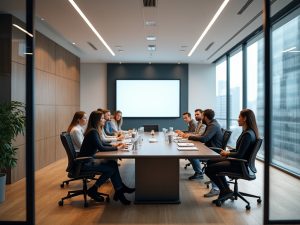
pixel 289 49
pixel 23 30
pixel 209 26
pixel 150 23
pixel 150 38
pixel 91 26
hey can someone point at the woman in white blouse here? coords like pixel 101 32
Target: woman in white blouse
pixel 76 129
pixel 117 121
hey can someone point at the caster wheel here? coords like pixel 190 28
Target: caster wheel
pixel 62 185
pixel 218 203
pixel 248 207
pixel 259 201
pixel 61 203
pixel 86 205
pixel 107 199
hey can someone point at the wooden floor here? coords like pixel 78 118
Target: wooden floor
pixel 194 208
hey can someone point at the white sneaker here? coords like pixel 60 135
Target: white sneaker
pixel 211 193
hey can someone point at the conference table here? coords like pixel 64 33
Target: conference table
pixel 157 167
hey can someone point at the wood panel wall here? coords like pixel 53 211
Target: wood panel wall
pixel 57 97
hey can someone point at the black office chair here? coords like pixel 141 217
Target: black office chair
pixel 226 137
pixel 66 182
pixel 75 172
pixel 149 128
pixel 248 171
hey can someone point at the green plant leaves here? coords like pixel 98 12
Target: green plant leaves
pixel 12 123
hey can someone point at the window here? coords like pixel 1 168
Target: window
pixel 221 93
pixel 236 94
pixel 286 91
pixel 255 84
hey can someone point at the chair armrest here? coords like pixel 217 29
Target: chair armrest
pixel 83 159
pixel 215 149
pixel 237 160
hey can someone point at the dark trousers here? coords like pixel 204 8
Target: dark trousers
pixel 220 165
pixel 108 169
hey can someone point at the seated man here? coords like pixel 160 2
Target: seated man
pixel 200 128
pixel 212 137
pixel 186 116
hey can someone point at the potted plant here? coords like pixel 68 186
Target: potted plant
pixel 12 123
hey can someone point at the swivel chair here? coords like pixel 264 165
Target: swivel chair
pixel 247 172
pixel 66 182
pixel 148 128
pixel 75 170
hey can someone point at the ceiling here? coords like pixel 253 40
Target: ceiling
pixel 121 23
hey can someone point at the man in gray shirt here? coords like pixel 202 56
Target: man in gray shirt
pixel 192 124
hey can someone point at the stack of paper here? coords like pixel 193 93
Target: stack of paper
pixel 187 144
pixel 189 148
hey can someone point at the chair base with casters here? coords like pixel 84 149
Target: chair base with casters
pixel 83 192
pixel 235 195
pixel 66 182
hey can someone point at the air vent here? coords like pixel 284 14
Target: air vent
pixel 92 46
pixel 149 3
pixel 208 47
pixel 245 7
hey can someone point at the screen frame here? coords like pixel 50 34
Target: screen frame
pixel 150 117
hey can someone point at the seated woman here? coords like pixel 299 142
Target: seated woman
pixel 108 168
pixel 76 129
pixel 117 122
pixel 244 145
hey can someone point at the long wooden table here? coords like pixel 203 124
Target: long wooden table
pixel 157 167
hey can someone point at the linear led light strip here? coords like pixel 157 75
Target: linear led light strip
pixel 209 26
pixel 21 29
pixel 91 26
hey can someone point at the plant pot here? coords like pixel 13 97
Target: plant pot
pixel 2 186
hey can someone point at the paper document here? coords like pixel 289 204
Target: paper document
pixel 185 144
pixel 192 148
pixel 152 140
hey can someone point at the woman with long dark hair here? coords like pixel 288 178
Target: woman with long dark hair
pixel 244 145
pixel 76 129
pixel 108 168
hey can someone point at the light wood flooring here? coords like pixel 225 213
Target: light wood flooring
pixel 194 208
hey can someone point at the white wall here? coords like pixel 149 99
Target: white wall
pixel 202 86
pixel 92 86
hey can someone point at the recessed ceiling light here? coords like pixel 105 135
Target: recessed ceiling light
pixel 151 38
pixel 150 23
pixel 42 18
pixel 73 43
pixel 209 26
pixel 91 26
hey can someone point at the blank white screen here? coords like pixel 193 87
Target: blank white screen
pixel 148 98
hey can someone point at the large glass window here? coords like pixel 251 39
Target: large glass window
pixel 285 126
pixel 286 92
pixel 255 84
pixel 236 94
pixel 221 93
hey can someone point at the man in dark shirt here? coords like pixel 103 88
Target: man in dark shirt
pixel 212 137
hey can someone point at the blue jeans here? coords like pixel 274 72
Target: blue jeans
pixel 108 169
pixel 196 165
